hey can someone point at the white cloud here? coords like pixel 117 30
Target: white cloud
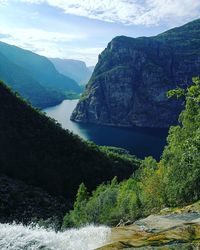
pixel 147 12
pixel 89 55
pixel 49 44
pixel 35 36
pixel 5 36
pixel 3 2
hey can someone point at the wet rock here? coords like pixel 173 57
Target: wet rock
pixel 170 231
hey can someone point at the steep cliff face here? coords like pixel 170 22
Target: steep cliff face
pixel 130 81
pixel 74 69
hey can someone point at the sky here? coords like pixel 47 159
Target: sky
pixel 81 29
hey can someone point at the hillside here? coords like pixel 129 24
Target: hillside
pixel 26 85
pixel 130 81
pixel 26 203
pixel 36 150
pixel 74 69
pixel 34 68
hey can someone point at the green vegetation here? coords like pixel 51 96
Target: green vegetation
pixel 36 150
pixel 175 180
pixel 35 77
pixel 72 95
pixel 27 86
pixel 181 157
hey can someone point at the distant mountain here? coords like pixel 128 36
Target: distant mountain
pixel 21 81
pixel 130 81
pixel 91 68
pixel 74 69
pixel 34 76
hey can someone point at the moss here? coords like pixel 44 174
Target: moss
pixel 193 208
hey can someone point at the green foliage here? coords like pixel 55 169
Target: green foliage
pixel 108 204
pixel 152 188
pixel 71 95
pixel 78 215
pixel 178 92
pixel 128 203
pixel 175 180
pixel 181 157
pixel 82 195
pixel 120 154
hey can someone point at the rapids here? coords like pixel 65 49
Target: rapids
pixel 19 237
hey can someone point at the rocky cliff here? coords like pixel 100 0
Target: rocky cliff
pixel 130 81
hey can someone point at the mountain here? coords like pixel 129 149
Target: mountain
pixel 37 151
pixel 34 70
pixel 22 82
pixel 130 81
pixel 91 68
pixel 74 69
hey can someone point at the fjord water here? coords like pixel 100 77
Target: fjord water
pixel 139 141
pixel 19 237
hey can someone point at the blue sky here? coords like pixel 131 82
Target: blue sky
pixel 81 29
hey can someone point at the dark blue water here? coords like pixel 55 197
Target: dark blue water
pixel 139 141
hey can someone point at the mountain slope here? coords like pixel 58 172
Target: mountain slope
pixel 74 69
pixel 24 203
pixel 39 152
pixel 29 88
pixel 130 81
pixel 39 67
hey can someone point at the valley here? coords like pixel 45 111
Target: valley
pixel 104 157
pixel 141 142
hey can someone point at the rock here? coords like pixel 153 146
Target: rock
pixel 124 223
pixel 173 231
pixel 193 208
pixel 130 81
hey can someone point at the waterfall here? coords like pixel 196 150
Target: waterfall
pixel 20 237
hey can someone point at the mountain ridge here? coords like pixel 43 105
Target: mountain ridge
pixel 130 81
pixel 28 87
pixel 37 70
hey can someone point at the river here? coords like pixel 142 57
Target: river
pixel 139 141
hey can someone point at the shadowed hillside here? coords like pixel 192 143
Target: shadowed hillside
pixel 38 151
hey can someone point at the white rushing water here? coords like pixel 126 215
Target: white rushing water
pixel 19 237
